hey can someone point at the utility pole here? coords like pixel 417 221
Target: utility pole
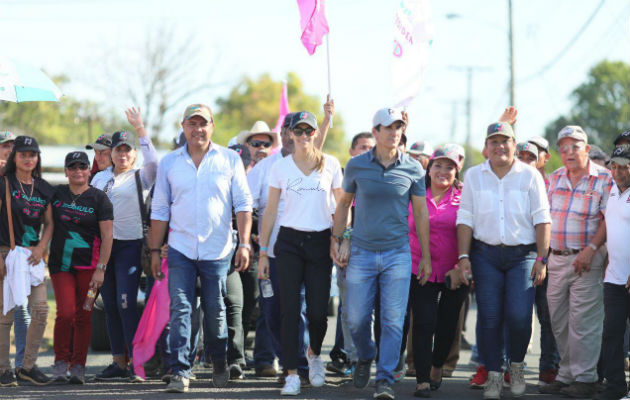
pixel 470 70
pixel 511 53
pixel 453 119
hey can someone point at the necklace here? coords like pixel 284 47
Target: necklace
pixel 74 199
pixel 30 196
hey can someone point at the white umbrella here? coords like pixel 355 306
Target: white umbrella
pixel 20 82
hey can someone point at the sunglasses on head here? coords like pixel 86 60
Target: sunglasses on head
pixel 259 143
pixel 300 131
pixel 76 166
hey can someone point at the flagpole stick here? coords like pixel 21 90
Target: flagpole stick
pixel 330 125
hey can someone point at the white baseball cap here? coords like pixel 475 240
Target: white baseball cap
pixel 387 116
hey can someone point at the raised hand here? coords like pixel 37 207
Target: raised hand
pixel 134 116
pixel 509 115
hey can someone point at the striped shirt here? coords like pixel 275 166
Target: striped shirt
pixel 577 212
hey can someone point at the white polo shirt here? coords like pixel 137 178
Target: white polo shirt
pixel 617 236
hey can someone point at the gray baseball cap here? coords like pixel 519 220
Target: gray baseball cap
pixel 574 132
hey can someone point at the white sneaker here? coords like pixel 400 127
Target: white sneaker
pixel 291 385
pixel 316 370
pixel 494 385
pixel 517 380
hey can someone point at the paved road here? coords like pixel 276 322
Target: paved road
pixel 260 388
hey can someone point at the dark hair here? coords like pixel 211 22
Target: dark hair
pixel 359 136
pixel 457 184
pixel 11 167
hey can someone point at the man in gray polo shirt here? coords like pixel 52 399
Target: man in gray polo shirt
pixel 383 181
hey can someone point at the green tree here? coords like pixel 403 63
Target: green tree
pixel 601 105
pixel 252 100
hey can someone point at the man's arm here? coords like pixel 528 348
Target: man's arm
pixel 543 234
pixel 244 227
pixel 421 219
pixel 340 221
pixel 582 262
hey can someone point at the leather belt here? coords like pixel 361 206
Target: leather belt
pixel 566 252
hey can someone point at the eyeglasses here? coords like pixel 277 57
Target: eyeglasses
pixel 571 148
pixel 300 131
pixel 81 166
pixel 258 143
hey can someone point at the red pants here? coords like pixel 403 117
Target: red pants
pixel 72 325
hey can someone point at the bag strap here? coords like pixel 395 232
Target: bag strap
pixel 143 211
pixel 9 213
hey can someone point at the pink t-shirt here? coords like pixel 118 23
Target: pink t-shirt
pixel 443 235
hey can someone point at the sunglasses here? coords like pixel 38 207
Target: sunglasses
pixel 80 166
pixel 300 131
pixel 259 143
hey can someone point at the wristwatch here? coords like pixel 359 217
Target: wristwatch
pixel 101 266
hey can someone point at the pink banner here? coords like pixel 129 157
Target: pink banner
pixel 283 108
pixel 313 22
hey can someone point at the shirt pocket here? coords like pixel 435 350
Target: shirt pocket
pixel 517 202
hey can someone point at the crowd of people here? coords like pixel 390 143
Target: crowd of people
pixel 265 220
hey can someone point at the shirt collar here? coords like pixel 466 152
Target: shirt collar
pixel 372 156
pixel 446 198
pixel 592 169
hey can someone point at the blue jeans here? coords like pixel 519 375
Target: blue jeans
pixel 270 308
pixel 368 272
pixel 120 293
pixel 505 295
pixel 549 357
pixel 182 282
pixel 21 322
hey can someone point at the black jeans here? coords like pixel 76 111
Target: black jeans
pixel 616 313
pixel 234 315
pixel 436 311
pixel 303 258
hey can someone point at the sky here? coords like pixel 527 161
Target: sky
pixel 249 38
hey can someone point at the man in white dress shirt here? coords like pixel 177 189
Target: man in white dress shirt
pixel 503 226
pixel 197 187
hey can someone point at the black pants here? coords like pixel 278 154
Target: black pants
pixel 303 257
pixel 234 314
pixel 616 313
pixel 249 279
pixel 435 312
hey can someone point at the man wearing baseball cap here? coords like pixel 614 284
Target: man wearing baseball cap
pixel 196 189
pixel 543 155
pixel 617 276
pixel 578 193
pixel 622 138
pixel 503 236
pixel 384 181
pixel 6 145
pixel 527 153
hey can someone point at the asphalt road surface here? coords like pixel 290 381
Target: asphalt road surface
pixel 262 388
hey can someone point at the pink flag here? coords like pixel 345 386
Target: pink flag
pixel 314 24
pixel 283 108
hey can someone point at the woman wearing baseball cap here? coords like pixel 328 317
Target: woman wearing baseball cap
pixel 30 204
pixel 79 251
pixel 436 304
pixel 122 182
pixel 306 182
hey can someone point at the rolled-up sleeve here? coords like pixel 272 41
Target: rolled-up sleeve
pixel 241 196
pixel 539 203
pixel 160 205
pixel 466 204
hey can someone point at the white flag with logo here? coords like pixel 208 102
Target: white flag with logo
pixel 413 33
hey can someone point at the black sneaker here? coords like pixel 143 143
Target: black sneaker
pixel 34 375
pixel 112 372
pixel 384 390
pixel 362 374
pixel 338 367
pixel 236 372
pixel 220 374
pixel 7 379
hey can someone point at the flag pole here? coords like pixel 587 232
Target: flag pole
pixel 328 62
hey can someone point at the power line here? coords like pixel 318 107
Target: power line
pixel 566 48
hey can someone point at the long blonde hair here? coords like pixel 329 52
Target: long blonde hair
pixel 316 154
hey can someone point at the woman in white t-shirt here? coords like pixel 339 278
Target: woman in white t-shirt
pixel 122 276
pixel 305 182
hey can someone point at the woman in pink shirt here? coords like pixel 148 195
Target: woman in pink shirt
pixel 435 322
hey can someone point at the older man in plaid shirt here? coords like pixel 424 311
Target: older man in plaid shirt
pixel 578 193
